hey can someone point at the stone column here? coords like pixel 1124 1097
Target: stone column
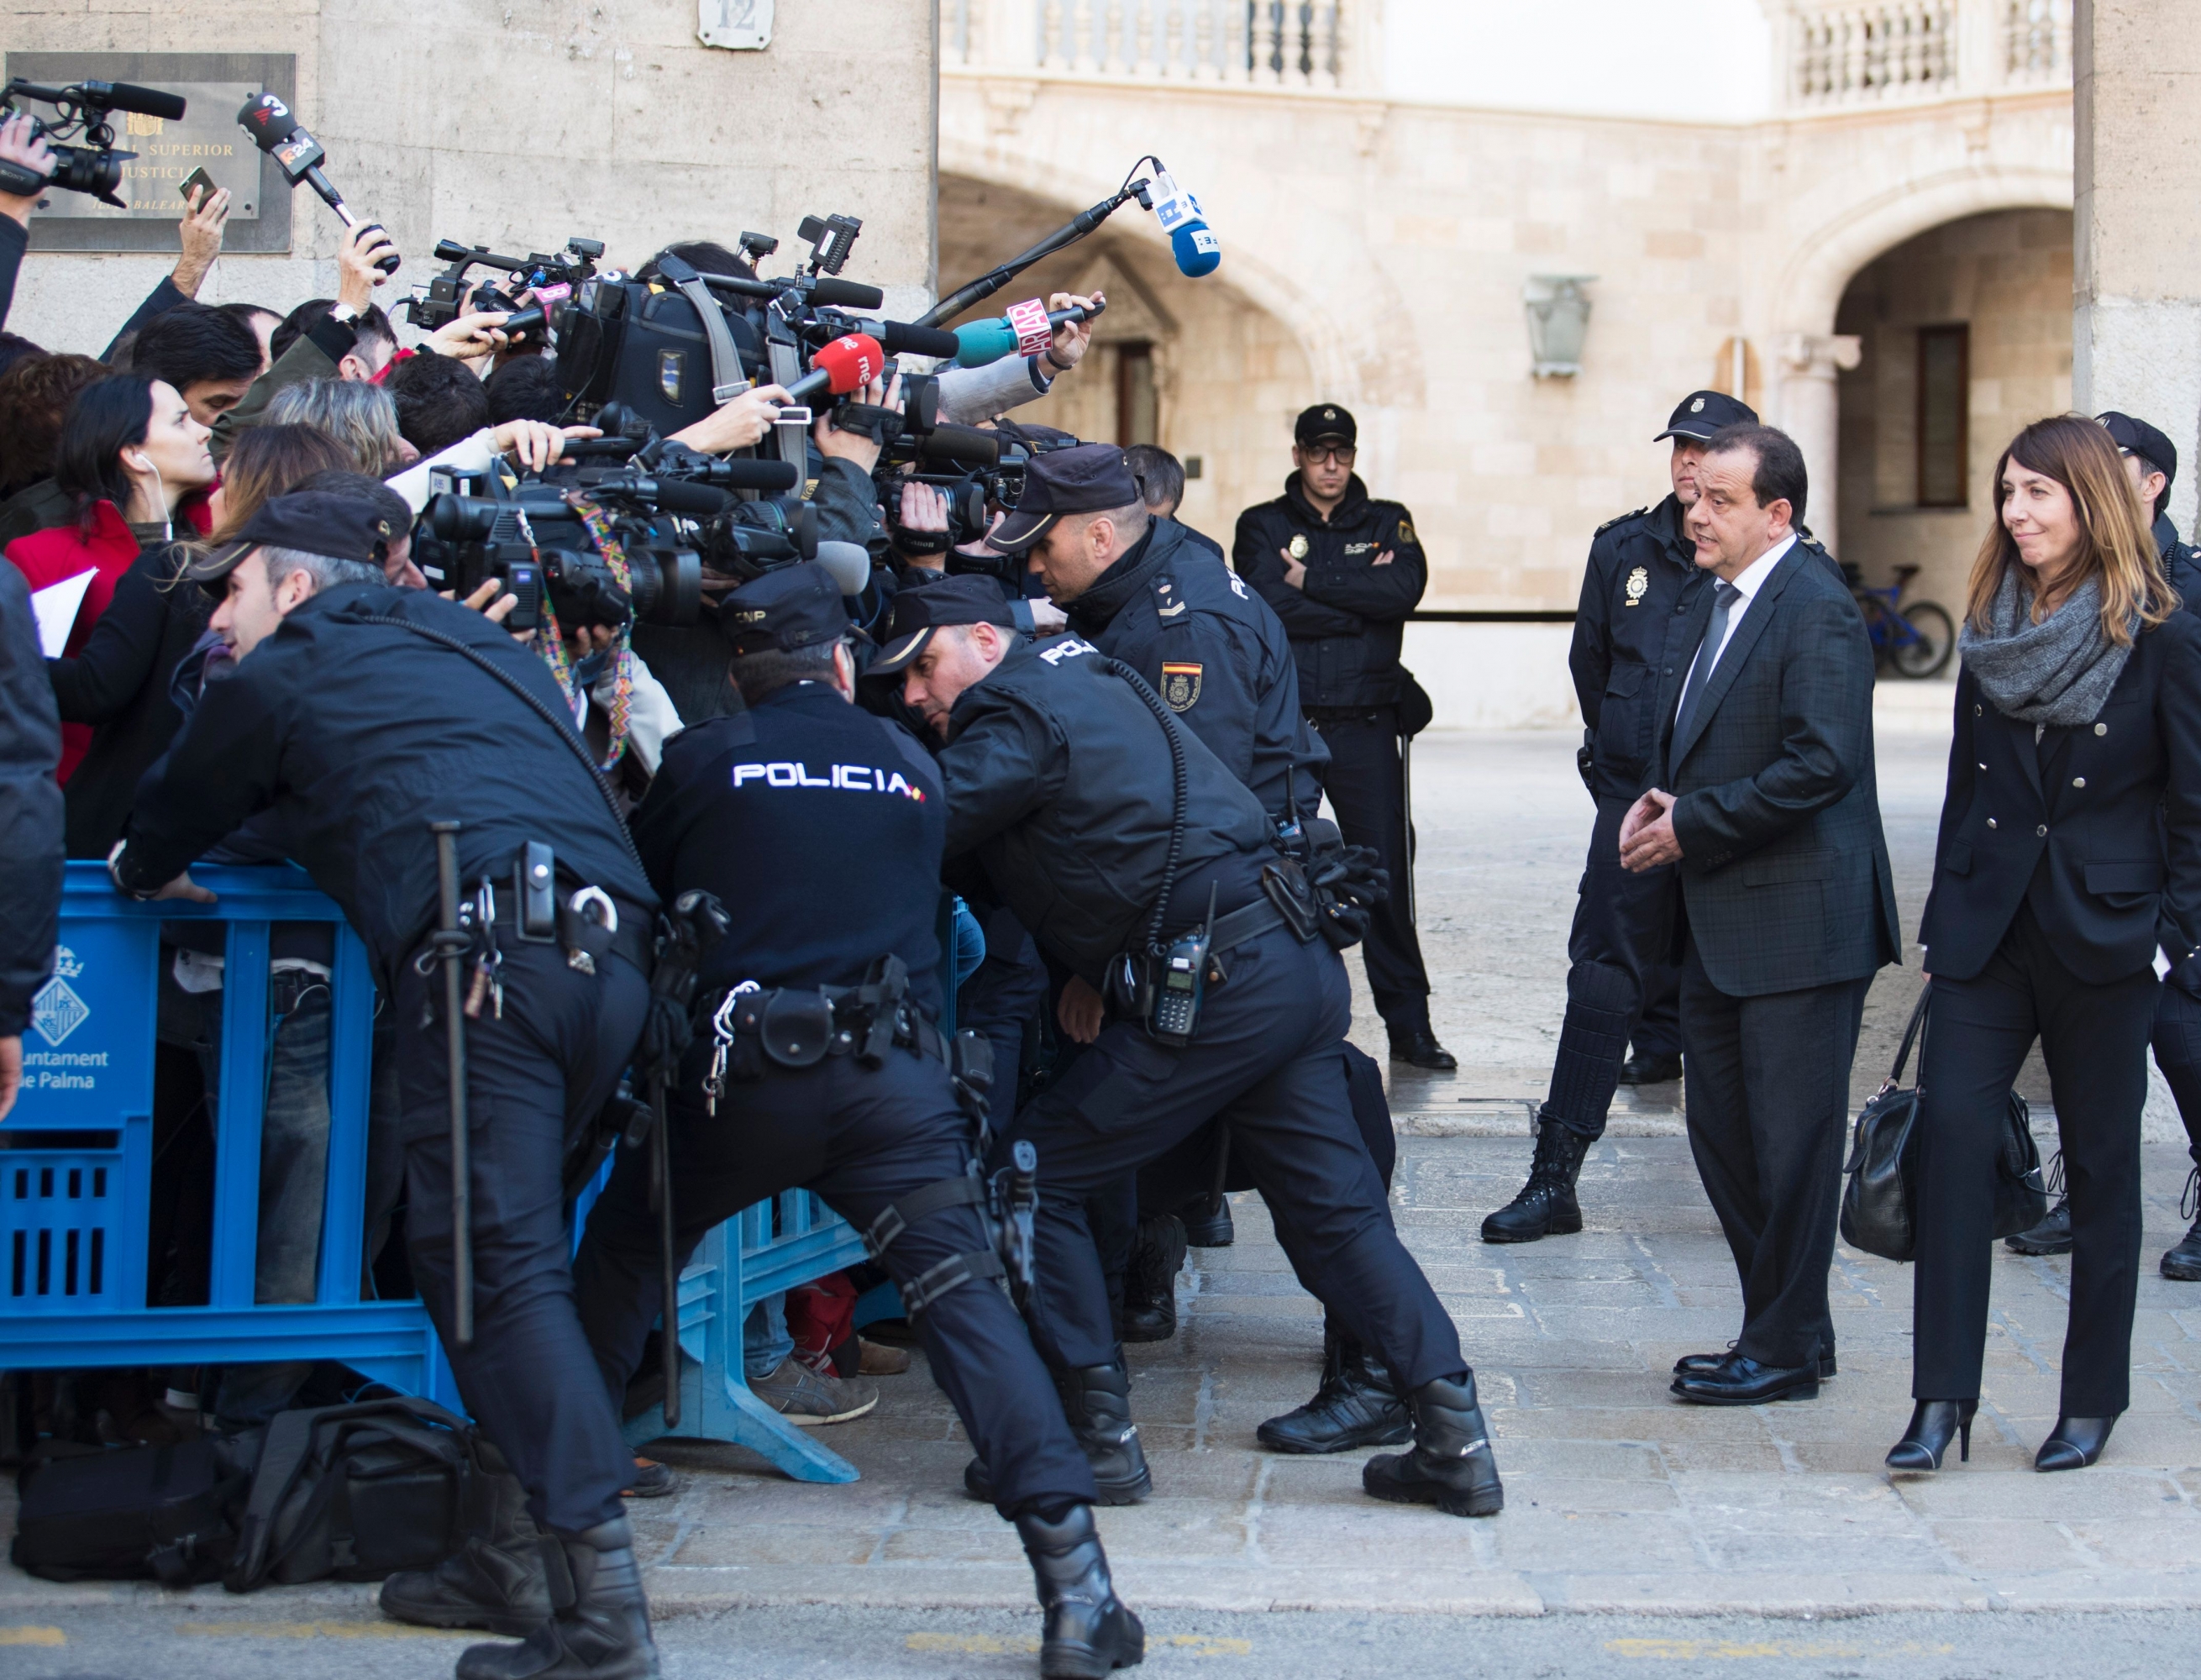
pixel 2136 323
pixel 1810 412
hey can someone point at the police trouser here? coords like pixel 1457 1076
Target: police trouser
pixel 533 1078
pixel 1366 783
pixel 863 1139
pixel 1619 981
pixel 2177 1043
pixel 1265 1059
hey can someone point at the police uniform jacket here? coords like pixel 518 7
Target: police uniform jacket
pixel 2097 826
pixel 1347 623
pixel 1212 649
pixel 359 735
pixel 2180 563
pixel 818 827
pixel 1637 590
pixel 1058 779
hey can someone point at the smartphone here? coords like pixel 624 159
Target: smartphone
pixel 197 177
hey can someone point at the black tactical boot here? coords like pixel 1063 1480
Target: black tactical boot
pixel 1451 1466
pixel 1546 1205
pixel 1204 1228
pixel 1150 1280
pixel 2182 1264
pixel 1355 1406
pixel 1097 1402
pixel 495 1580
pixel 1091 1632
pixel 601 1627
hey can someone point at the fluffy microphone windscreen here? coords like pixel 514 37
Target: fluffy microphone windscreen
pixel 1198 251
pixel 850 563
pixel 850 362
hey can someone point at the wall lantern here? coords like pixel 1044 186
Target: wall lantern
pixel 1559 321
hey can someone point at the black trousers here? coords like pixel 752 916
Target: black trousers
pixel 1768 1098
pixel 2177 1044
pixel 2094 1040
pixel 533 1078
pixel 1367 789
pixel 1266 1058
pixel 862 1139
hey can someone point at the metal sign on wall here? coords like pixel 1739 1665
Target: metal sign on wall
pixel 213 86
pixel 745 26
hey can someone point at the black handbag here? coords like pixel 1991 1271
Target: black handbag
pixel 1879 1203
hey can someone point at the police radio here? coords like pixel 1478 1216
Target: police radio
pixel 1182 983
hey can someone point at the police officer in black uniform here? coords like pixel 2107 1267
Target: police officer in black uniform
pixel 822 1065
pixel 1114 833
pixel 361 714
pixel 1641 578
pixel 1342 571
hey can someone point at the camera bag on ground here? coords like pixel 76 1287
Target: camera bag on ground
pixel 353 1493
pixel 165 1513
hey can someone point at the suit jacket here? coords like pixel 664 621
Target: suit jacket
pixel 2112 809
pixel 1784 876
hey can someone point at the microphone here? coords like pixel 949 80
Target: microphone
pixel 276 132
pixel 981 343
pixel 1197 250
pixel 678 496
pixel 847 364
pixel 850 563
pixel 963 445
pixel 146 102
pixel 830 293
pixel 900 339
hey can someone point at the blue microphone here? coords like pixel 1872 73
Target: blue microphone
pixel 1194 244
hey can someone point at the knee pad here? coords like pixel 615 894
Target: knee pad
pixel 1592 1043
pixel 1602 987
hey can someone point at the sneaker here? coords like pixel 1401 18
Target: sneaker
pixel 874 1360
pixel 809 1398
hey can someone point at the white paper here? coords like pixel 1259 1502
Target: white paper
pixel 57 607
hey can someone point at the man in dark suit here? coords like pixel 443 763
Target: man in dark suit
pixel 1765 796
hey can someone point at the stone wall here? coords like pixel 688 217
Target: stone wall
pixel 516 127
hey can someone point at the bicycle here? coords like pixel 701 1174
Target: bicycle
pixel 1918 640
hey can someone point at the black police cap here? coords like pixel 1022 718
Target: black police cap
pixel 1702 412
pixel 968 599
pixel 315 522
pixel 1090 478
pixel 788 608
pixel 1324 423
pixel 2137 437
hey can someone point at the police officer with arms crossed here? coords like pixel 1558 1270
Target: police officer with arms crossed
pixel 363 714
pixel 1342 571
pixel 1113 833
pixel 1640 581
pixel 820 1064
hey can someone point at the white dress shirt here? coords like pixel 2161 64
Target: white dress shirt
pixel 1747 584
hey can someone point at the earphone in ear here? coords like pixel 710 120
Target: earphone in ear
pixel 144 464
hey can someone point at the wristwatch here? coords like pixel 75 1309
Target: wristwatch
pixel 346 312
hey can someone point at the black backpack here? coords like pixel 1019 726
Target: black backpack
pixel 134 1513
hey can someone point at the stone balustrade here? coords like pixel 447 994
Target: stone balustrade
pixel 1302 44
pixel 1899 51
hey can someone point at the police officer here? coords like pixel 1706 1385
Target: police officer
pixel 1342 571
pixel 822 1065
pixel 1641 578
pixel 1114 833
pixel 362 713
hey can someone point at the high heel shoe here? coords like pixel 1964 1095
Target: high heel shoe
pixel 2073 1443
pixel 1932 1423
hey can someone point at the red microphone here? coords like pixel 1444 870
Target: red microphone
pixel 849 363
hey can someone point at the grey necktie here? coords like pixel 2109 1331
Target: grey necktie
pixel 1724 596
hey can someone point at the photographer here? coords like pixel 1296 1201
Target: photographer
pixel 362 713
pixel 20 143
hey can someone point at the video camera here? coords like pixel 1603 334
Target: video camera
pixel 95 167
pixel 552 279
pixel 976 471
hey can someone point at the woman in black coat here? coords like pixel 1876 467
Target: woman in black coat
pixel 2070 848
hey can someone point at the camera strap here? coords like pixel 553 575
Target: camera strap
pixel 728 381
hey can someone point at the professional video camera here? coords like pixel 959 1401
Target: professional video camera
pixel 94 167
pixel 551 279
pixel 976 471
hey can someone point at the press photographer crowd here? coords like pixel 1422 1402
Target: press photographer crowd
pixel 753 760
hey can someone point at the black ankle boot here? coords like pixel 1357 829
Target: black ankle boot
pixel 2073 1443
pixel 1097 1402
pixel 1932 1422
pixel 1356 1406
pixel 601 1627
pixel 2182 1265
pixel 1546 1205
pixel 1452 1466
pixel 495 1581
pixel 1150 1280
pixel 1207 1225
pixel 1091 1632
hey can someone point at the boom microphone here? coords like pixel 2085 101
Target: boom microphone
pixel 1197 250
pixel 849 363
pixel 146 102
pixel 900 339
pixel 678 495
pixel 830 293
pixel 850 563
pixel 979 343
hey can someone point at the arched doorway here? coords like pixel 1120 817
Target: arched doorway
pixel 1196 366
pixel 1964 335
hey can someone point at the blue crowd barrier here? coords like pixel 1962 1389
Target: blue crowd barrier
pixel 77 1168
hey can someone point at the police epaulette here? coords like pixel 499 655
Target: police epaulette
pixel 1621 518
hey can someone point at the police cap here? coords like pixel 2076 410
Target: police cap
pixel 2134 436
pixel 1702 412
pixel 1325 423
pixel 969 599
pixel 788 608
pixel 315 522
pixel 1091 478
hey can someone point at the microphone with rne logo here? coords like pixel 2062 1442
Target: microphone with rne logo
pixel 1197 250
pixel 849 363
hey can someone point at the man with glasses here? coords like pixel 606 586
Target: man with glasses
pixel 1343 570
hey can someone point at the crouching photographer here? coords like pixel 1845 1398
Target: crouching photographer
pixel 426 768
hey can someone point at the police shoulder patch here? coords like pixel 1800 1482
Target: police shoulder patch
pixel 1405 533
pixel 1181 685
pixel 1621 519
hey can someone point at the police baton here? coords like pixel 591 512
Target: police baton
pixel 1406 800
pixel 450 944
